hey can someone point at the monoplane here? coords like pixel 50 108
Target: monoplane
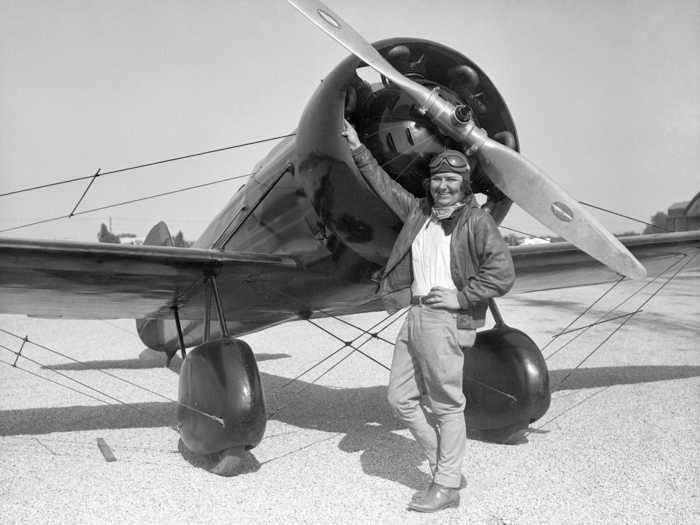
pixel 307 237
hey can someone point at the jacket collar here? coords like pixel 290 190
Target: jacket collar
pixel 414 223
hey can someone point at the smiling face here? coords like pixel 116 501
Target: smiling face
pixel 446 189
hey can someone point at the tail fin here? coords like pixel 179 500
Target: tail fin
pixel 159 236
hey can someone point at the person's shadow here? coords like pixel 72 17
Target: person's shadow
pixel 364 417
pixel 387 455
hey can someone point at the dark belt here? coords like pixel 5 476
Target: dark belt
pixel 419 299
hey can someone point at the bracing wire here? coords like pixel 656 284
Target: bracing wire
pixel 14 365
pixel 124 203
pixel 597 208
pixel 626 320
pixel 623 216
pixel 145 165
pixel 354 348
pixel 642 287
pixel 109 374
pixel 100 173
pixel 683 264
pixel 579 316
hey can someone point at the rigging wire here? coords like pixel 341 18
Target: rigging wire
pixel 687 259
pixel 145 165
pixel 648 283
pixel 33 361
pixel 92 180
pixel 524 233
pixel 302 305
pixel 668 280
pixel 349 343
pixel 596 323
pixel 109 374
pixel 345 345
pixel 597 208
pixel 11 365
pixel 563 330
pixel 124 203
pixel 624 216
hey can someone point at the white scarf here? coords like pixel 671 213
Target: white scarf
pixel 446 211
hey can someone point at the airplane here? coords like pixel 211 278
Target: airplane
pixel 307 237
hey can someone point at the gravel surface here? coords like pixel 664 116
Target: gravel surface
pixel 618 445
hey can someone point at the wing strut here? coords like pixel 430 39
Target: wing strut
pixel 219 306
pixel 207 314
pixel 210 289
pixel 176 314
pixel 496 314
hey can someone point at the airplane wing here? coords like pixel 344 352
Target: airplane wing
pixel 562 265
pixel 108 281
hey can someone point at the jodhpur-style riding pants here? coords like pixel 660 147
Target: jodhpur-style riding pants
pixel 428 360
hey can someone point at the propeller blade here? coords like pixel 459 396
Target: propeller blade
pixel 542 198
pixel 322 16
pixel 514 175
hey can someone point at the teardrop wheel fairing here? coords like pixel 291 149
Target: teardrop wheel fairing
pixel 221 401
pixel 506 384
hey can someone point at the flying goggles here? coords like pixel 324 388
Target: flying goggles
pixel 449 161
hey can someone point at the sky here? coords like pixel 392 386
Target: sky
pixel 604 95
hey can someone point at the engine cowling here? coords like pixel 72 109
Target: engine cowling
pixel 399 135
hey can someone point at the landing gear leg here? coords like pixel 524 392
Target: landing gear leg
pixel 181 338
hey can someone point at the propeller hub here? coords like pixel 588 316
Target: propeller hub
pixel 401 136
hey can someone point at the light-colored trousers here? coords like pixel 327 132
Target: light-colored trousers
pixel 428 360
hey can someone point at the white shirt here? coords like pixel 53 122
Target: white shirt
pixel 430 253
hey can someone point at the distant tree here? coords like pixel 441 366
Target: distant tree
pixel 512 239
pixel 660 222
pixel 104 235
pixel 179 241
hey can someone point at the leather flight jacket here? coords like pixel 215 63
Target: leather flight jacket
pixel 480 262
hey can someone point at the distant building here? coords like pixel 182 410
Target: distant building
pixel 104 235
pixel 684 216
pixel 535 240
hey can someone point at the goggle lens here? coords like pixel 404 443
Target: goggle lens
pixel 454 163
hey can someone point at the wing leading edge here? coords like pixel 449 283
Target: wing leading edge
pixel 108 281
pixel 562 265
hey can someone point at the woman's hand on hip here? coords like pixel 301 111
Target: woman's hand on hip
pixel 444 298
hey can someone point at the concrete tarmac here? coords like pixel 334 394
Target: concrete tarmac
pixel 618 445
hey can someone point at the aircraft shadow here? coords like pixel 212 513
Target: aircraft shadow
pixel 361 414
pixel 661 323
pixel 617 375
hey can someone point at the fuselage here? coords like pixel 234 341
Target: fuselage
pixel 306 198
